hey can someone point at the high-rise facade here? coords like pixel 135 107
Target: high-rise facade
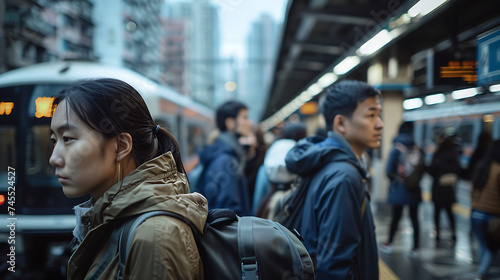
pixel 130 35
pixel 44 30
pixel 203 46
pixel 174 54
pixel 262 46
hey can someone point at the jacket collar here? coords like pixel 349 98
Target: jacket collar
pixel 154 185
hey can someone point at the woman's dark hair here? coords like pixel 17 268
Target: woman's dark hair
pixel 343 97
pixel 294 131
pixel 482 170
pixel 111 106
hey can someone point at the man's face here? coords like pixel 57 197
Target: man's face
pixel 363 130
pixel 243 123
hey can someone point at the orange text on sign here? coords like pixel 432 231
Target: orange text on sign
pixel 6 108
pixel 44 107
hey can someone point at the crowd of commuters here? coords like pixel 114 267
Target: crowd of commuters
pixel 445 170
pixel 130 165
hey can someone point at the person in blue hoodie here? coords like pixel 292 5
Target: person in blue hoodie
pixel 223 179
pixel 337 223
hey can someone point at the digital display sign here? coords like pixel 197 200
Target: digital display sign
pixel 44 107
pixel 6 108
pixel 464 70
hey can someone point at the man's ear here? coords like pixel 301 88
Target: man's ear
pixel 339 123
pixel 230 124
pixel 124 145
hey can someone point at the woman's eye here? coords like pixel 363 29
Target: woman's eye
pixel 66 139
pixel 53 141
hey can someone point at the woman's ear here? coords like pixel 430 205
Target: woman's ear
pixel 124 145
pixel 339 124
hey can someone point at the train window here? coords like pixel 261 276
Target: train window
pixel 38 152
pixel 496 129
pixel 466 132
pixel 40 104
pixel 195 139
pixel 7 153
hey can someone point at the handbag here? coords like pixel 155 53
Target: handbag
pixel 448 179
pixel 494 229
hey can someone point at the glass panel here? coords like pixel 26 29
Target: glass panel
pixel 7 153
pixel 40 104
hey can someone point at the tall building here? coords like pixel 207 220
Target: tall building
pixel 174 54
pixel 130 35
pixel 44 30
pixel 262 47
pixel 203 46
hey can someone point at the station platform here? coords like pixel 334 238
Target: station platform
pixel 446 261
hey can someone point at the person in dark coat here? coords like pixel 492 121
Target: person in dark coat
pixel 404 159
pixel 444 169
pixel 223 180
pixel 485 196
pixel 337 222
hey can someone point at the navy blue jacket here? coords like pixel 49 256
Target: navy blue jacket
pixel 223 180
pixel 336 234
pixel 398 193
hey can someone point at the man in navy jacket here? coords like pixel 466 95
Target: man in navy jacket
pixel 337 222
pixel 223 179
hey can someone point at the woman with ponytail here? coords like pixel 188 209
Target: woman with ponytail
pixel 106 144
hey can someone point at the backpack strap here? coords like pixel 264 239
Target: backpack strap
pixel 108 256
pixel 246 250
pixel 127 232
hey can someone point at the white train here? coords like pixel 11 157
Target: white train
pixel 32 195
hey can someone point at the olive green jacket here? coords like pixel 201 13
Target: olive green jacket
pixel 162 247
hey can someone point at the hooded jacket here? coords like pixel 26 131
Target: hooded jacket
pixel 223 180
pixel 162 247
pixel 398 193
pixel 336 233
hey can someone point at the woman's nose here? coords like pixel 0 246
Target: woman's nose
pixel 56 158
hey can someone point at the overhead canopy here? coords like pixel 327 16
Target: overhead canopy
pixel 318 34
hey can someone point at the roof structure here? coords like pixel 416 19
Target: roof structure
pixel 320 34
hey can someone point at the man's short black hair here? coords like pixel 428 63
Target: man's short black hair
pixel 343 97
pixel 230 109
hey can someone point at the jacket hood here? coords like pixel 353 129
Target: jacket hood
pixel 225 143
pixel 154 185
pixel 312 153
pixel 405 139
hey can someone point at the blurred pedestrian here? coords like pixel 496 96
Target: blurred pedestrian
pixel 273 177
pixel 255 148
pixel 405 163
pixel 483 142
pixel 337 222
pixel 223 180
pixel 485 197
pixel 107 144
pixel 444 169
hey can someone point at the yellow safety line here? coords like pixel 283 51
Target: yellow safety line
pixel 385 272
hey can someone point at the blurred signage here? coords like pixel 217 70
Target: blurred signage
pixel 448 70
pixel 44 107
pixel 309 108
pixel 465 70
pixel 488 55
pixel 6 108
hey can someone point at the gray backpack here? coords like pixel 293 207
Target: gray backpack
pixel 232 247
